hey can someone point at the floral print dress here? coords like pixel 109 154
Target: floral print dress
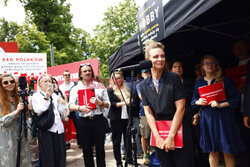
pixel 8 141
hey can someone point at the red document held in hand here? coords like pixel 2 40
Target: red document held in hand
pixel 163 128
pixel 213 92
pixel 84 96
pixel 67 93
pixel 238 75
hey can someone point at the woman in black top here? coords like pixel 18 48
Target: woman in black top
pixel 118 113
pixel 163 98
pixel 190 132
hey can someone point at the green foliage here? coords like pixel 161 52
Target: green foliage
pixel 54 19
pixel 8 30
pixel 119 24
pixel 51 22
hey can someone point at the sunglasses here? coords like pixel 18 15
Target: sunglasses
pixel 85 64
pixel 7 82
pixel 67 75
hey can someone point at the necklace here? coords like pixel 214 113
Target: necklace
pixel 156 84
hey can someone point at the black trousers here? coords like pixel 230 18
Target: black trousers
pixel 52 152
pixel 92 133
pixel 118 127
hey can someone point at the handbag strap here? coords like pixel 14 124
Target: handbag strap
pixel 49 97
pixel 199 111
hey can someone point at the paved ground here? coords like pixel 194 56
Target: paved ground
pixel 75 159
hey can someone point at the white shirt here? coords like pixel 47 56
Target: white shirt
pixel 244 62
pixel 64 87
pixel 40 105
pixel 100 93
pixel 124 114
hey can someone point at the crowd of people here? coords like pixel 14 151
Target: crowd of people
pixel 162 94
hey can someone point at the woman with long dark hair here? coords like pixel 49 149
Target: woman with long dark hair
pixel 10 108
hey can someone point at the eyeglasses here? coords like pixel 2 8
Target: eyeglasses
pixel 67 75
pixel 7 82
pixel 208 63
pixel 85 64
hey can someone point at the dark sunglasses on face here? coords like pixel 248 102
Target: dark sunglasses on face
pixel 7 82
pixel 67 75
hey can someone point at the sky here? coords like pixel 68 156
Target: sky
pixel 86 14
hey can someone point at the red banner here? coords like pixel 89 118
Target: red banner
pixel 163 128
pixel 238 75
pixel 57 71
pixel 213 92
pixel 8 47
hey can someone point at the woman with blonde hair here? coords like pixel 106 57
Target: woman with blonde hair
pixel 219 131
pixel 119 96
pixel 10 108
pixel 52 150
pixel 163 98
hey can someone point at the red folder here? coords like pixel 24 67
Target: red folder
pixel 163 128
pixel 67 93
pixel 213 92
pixel 238 75
pixel 85 95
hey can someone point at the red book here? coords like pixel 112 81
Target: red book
pixel 213 92
pixel 163 128
pixel 85 95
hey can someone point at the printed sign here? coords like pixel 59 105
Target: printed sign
pixel 151 22
pixel 213 92
pixel 23 63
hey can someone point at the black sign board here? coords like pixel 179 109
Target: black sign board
pixel 151 22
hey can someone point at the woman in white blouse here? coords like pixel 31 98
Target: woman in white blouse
pixel 51 141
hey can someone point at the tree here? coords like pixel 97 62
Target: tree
pixel 119 24
pixel 54 19
pixel 8 30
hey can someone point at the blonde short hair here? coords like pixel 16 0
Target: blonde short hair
pixel 40 79
pixel 151 44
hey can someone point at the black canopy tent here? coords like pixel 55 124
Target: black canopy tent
pixel 213 32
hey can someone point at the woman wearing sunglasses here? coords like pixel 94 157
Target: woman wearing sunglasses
pixel 219 131
pixel 10 108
